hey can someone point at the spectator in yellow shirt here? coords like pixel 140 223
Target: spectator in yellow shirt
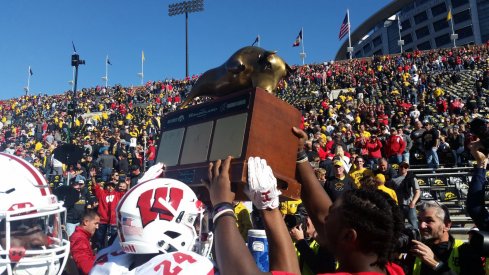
pixel 243 219
pixel 380 181
pixel 359 171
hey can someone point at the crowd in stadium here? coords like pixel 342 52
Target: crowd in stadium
pixel 366 121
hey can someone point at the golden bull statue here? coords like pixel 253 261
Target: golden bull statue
pixel 249 67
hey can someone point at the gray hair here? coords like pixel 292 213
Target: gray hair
pixel 441 210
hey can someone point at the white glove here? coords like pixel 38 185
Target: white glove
pixel 153 172
pixel 262 185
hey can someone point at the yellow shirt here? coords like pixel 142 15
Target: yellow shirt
pixel 438 92
pixel 358 120
pixel 389 192
pixel 357 175
pixel 289 207
pixel 38 146
pixel 365 134
pixel 243 219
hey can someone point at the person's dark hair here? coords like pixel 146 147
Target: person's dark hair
pixel 367 182
pixel 89 214
pixel 377 221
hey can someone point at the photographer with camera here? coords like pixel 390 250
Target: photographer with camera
pixel 313 259
pixel 439 252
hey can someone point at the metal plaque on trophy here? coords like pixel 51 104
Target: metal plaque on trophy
pixel 248 123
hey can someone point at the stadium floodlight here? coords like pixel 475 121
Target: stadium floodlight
pixel 186 7
pixel 75 62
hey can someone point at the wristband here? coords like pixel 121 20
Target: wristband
pixel 438 266
pixel 302 160
pixel 223 215
pixel 222 206
pixel 301 155
pixel 225 212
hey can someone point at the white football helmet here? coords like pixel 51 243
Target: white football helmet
pixel 160 216
pixel 31 240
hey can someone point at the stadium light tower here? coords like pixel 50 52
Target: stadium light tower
pixel 75 62
pixel 181 8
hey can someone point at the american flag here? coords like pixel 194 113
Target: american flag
pixel 298 40
pixel 345 27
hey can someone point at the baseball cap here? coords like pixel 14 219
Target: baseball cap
pixel 79 182
pixel 380 178
pixel 338 163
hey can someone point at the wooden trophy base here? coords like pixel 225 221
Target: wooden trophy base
pixel 248 123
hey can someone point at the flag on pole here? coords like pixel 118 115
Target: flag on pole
pixel 298 40
pixel 142 56
pixel 108 61
pixel 30 71
pixel 449 15
pixel 345 27
pixel 257 39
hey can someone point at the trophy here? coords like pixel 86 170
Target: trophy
pixel 244 120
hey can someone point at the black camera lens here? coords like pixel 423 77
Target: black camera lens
pixel 404 242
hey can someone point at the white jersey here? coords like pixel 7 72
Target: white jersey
pixel 113 260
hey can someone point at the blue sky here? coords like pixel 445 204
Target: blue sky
pixel 38 33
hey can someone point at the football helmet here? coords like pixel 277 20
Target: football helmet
pixel 31 239
pixel 161 216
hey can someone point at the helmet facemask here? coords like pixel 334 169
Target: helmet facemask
pixel 31 241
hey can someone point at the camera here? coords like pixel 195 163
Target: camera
pixel 479 128
pixel 293 220
pixel 404 242
pixel 298 218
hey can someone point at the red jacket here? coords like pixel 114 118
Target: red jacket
pixel 442 106
pixel 322 153
pixel 81 250
pixel 107 202
pixel 395 146
pixel 373 148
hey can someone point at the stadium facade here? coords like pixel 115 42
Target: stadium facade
pixel 423 25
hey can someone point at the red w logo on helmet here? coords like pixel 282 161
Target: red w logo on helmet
pixel 153 204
